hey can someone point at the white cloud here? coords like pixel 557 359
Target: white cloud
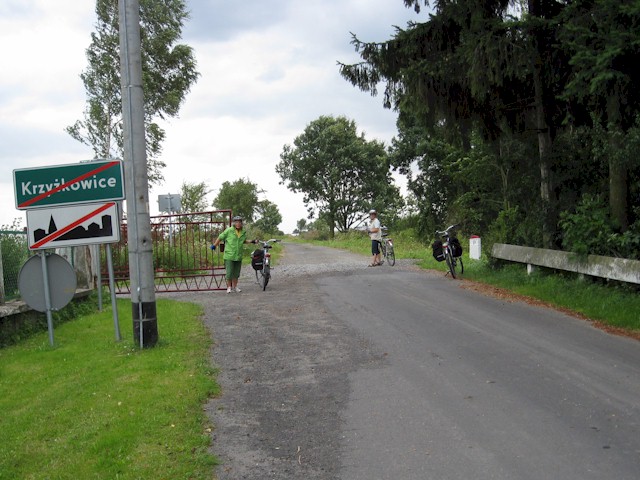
pixel 43 46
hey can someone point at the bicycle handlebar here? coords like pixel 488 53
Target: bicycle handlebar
pixel 446 231
pixel 267 242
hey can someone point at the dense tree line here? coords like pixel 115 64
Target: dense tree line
pixel 241 196
pixel 518 119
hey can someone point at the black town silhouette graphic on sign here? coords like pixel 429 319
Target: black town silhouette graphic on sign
pixel 93 230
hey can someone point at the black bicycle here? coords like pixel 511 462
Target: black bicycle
pixel 261 262
pixel 449 250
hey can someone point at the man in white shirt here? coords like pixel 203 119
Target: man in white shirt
pixel 375 233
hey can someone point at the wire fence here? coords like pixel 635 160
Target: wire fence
pixel 14 251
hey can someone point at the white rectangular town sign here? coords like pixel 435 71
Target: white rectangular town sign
pixel 93 223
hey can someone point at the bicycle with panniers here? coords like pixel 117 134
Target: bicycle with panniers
pixel 449 250
pixel 261 262
pixel 386 247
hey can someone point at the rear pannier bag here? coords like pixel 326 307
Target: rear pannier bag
pixel 438 252
pixel 456 248
pixel 257 259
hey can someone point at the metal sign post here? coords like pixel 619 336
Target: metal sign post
pixel 112 288
pixel 95 251
pixel 47 295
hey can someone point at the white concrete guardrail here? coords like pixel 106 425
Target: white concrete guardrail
pixel 621 269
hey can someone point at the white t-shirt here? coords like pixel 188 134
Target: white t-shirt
pixel 375 223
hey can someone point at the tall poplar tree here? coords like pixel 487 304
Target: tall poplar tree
pixel 194 196
pixel 168 69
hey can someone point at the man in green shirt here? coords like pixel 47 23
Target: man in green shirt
pixel 234 239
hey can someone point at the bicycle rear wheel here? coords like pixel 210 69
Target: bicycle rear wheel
pixel 390 256
pixel 450 263
pixel 461 265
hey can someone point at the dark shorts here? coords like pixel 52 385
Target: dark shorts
pixel 233 269
pixel 375 247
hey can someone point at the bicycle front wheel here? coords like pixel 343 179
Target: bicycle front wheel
pixel 260 278
pixel 266 275
pixel 450 263
pixel 391 255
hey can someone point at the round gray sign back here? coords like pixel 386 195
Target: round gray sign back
pixel 62 282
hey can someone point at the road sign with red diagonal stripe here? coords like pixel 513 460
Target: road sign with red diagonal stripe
pixel 70 184
pixel 94 223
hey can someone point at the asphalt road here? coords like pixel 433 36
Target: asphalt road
pixel 475 388
pixel 391 373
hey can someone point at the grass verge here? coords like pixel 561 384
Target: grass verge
pixel 94 408
pixel 613 305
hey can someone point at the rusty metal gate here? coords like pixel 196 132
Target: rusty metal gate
pixel 182 258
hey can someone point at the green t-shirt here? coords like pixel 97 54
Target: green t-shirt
pixel 233 243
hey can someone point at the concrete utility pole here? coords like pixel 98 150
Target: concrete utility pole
pixel 143 297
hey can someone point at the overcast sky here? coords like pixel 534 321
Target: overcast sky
pixel 268 68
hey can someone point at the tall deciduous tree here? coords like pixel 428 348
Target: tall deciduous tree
pixel 340 173
pixel 194 196
pixel 240 196
pixel 169 71
pixel 269 217
pixel 301 225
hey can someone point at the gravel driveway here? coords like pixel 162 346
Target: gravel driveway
pixel 284 362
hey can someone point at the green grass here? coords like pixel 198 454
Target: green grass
pixel 613 305
pixel 94 408
pixel 405 246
